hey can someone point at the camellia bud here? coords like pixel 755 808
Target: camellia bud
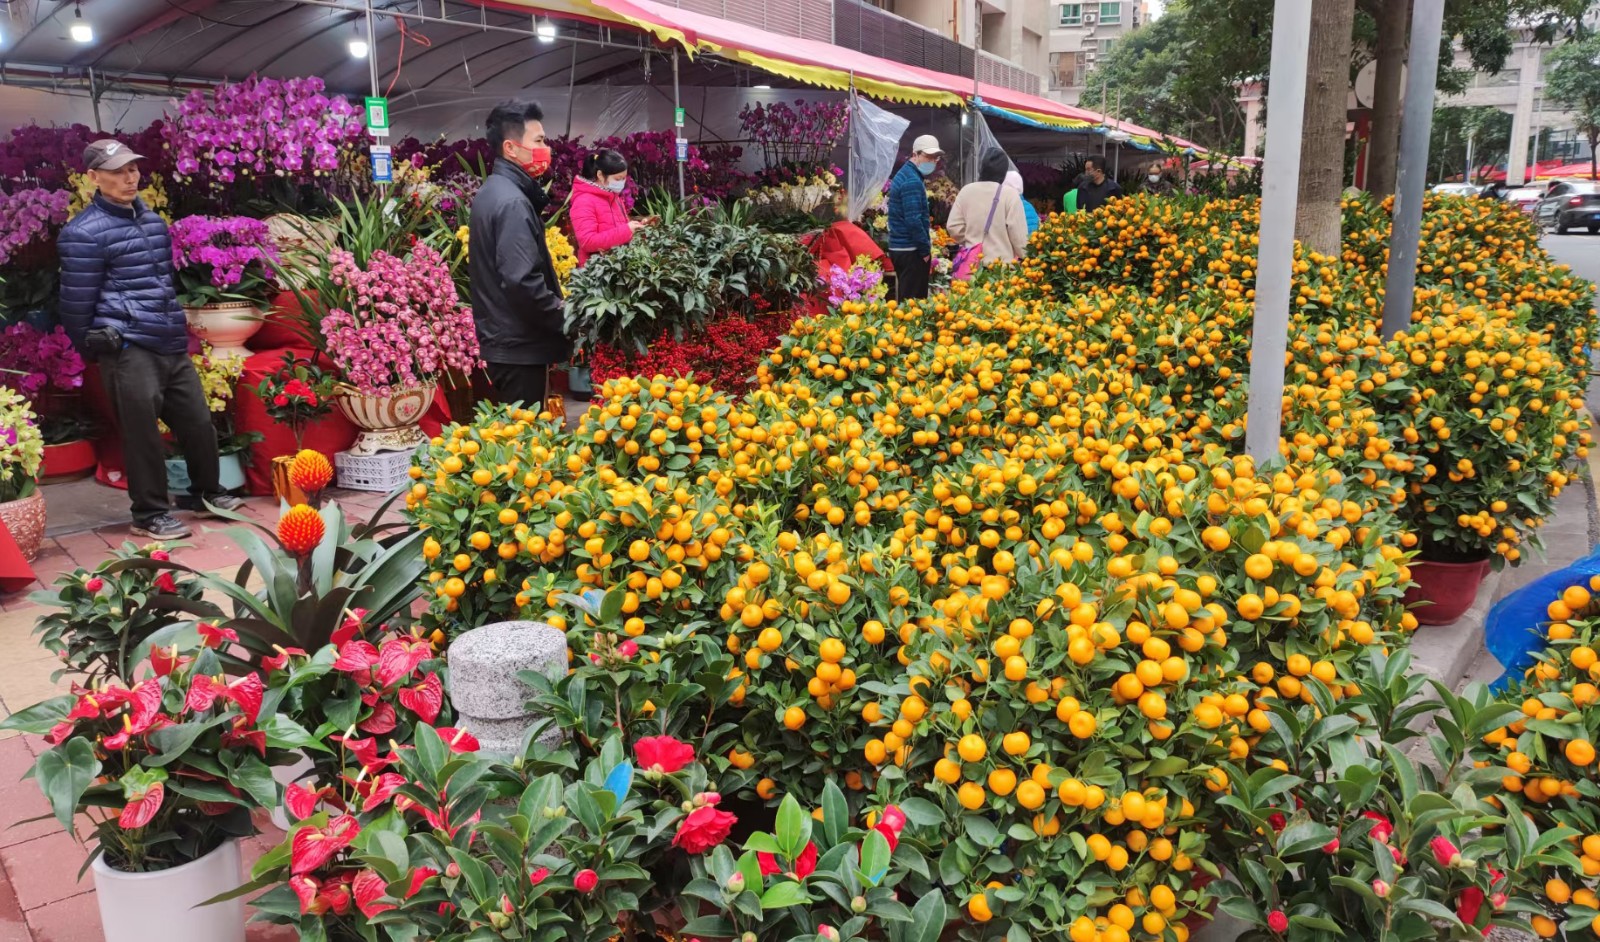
pixel 1278 921
pixel 1332 847
pixel 505 904
pixel 1381 888
pixel 687 807
pixel 748 937
pixel 707 798
pixel 95 584
pixel 736 883
pixel 586 881
pixel 499 920
pixel 858 905
pixel 828 932
pixel 452 870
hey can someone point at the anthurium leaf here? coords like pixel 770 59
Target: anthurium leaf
pixel 64 773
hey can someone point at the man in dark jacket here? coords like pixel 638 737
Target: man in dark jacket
pixel 119 304
pixel 516 298
pixel 1095 187
pixel 910 249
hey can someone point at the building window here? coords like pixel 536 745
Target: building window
pixel 1105 47
pixel 1071 14
pixel 1067 69
pixel 1111 13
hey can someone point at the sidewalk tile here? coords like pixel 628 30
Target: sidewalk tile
pixel 23 802
pixel 16 631
pixel 75 919
pixel 45 869
pixel 86 548
pixel 259 932
pixel 13 925
pixel 15 761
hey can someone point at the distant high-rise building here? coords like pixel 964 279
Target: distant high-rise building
pixel 1081 34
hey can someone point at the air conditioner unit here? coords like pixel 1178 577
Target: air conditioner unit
pixel 1089 19
pixel 1091 57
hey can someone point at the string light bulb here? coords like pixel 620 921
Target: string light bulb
pixel 545 29
pixel 81 31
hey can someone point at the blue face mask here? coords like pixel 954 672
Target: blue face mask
pixel 927 169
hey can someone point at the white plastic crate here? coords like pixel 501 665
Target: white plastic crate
pixel 382 472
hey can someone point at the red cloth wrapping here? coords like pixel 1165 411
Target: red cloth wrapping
pixel 15 573
pixel 840 244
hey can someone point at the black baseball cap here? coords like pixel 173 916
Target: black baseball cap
pixel 109 155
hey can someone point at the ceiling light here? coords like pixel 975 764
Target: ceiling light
pixel 545 30
pixel 358 48
pixel 81 31
pixel 762 88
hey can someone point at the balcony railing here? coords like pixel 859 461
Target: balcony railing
pixel 864 27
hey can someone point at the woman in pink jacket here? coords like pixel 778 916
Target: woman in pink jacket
pixel 599 220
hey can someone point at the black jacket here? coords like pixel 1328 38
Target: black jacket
pixel 116 271
pixel 1092 196
pixel 516 298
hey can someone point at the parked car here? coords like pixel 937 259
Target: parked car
pixel 1457 189
pixel 1525 197
pixel 1570 204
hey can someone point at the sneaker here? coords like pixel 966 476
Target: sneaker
pixel 219 501
pixel 161 527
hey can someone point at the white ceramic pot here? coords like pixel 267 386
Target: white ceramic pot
pixel 387 423
pixel 136 907
pixel 225 326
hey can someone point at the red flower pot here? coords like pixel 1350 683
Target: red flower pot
pixel 67 461
pixel 1451 589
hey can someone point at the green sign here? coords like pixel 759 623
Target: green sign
pixel 378 115
pixel 677 117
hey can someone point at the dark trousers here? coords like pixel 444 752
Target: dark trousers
pixel 910 275
pixel 520 382
pixel 145 387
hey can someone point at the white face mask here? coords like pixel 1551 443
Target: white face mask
pixel 1155 178
pixel 616 186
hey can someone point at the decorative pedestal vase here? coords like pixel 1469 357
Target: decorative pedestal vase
pixel 225 326
pixel 135 907
pixel 25 519
pixel 281 487
pixel 67 461
pixel 1450 587
pixel 387 423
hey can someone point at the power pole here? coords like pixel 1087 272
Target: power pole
pixel 1427 23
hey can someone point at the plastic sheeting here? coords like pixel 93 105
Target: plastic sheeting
pixel 874 143
pixel 984 145
pixel 627 112
pixel 1511 632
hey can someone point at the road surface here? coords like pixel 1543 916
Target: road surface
pixel 1581 251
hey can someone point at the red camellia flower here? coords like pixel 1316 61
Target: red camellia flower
pixel 1382 828
pixel 586 881
pixel 420 876
pixel 1445 852
pixel 1278 921
pixel 95 584
pixel 702 829
pixel 1469 905
pixel 300 530
pixel 662 754
pixel 167 583
pixel 894 818
pixel 539 876
pixel 804 865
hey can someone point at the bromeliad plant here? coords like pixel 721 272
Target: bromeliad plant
pixel 166 769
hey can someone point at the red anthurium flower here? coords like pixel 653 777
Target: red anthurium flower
pixel 357 657
pixel 313 847
pixel 459 740
pixel 420 876
pixel 203 693
pixel 144 704
pixel 383 720
pixel 365 752
pixel 212 636
pixel 308 889
pixel 424 699
pixel 349 628
pixel 242 735
pixel 398 659
pixel 279 661
pixel 58 733
pixel 248 692
pixel 369 889
pixel 302 802
pixel 662 754
pixel 165 661
pixel 440 821
pixel 379 789
pixel 702 829
pixel 338 897
pixel 143 807
pixel 1445 852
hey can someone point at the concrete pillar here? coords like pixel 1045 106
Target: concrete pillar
pixel 1517 170
pixel 490 700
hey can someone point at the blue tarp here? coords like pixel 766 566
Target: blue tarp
pixel 1511 632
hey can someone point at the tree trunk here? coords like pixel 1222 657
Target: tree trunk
pixel 1394 21
pixel 1316 223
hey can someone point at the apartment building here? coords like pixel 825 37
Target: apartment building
pixel 1081 33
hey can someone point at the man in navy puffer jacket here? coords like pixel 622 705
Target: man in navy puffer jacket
pixel 119 304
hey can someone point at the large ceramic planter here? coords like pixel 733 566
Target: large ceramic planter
pixel 387 423
pixel 1451 589
pixel 165 904
pixel 25 519
pixel 230 473
pixel 225 326
pixel 67 461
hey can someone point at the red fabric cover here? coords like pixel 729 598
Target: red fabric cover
pixel 840 243
pixel 599 220
pixel 15 573
pixel 277 330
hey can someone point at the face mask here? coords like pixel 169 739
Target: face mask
pixel 1155 178
pixel 538 160
pixel 615 186
pixel 927 169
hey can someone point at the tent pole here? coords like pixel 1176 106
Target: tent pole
pixel 1291 44
pixel 1416 125
pixel 676 104
pixel 372 50
pixel 572 78
pixel 94 101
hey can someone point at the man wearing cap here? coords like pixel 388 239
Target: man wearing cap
pixel 119 305
pixel 910 248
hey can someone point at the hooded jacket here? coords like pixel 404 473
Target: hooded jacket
pixel 116 271
pixel 599 220
pixel 516 297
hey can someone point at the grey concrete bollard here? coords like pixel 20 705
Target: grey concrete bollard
pixel 489 699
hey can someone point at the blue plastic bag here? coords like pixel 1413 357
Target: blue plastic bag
pixel 1511 632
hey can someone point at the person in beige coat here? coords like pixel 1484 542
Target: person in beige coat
pixel 1007 237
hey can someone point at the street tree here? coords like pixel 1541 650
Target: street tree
pixel 1573 82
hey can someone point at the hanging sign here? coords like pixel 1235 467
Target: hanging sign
pixel 678 117
pixel 382 164
pixel 378 116
pixel 683 149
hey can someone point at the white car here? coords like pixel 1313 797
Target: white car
pixel 1525 197
pixel 1457 189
